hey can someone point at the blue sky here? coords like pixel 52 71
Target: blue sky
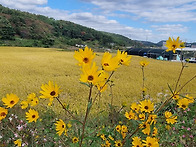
pixel 147 20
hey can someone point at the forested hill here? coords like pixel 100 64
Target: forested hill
pixel 19 28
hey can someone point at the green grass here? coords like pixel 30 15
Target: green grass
pixel 24 70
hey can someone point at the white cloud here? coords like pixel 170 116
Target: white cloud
pixel 26 5
pixel 173 28
pixel 152 10
pixel 24 2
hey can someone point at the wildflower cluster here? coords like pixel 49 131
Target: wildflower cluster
pixel 90 72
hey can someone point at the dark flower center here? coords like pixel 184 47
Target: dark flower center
pixel 146 107
pixel 90 78
pixel 12 102
pixel 184 106
pixel 149 144
pixel 63 126
pixel 119 144
pixel 33 116
pixel 106 64
pixel 86 60
pixel 3 114
pixel 137 146
pixel 174 46
pixel 121 60
pixel 52 93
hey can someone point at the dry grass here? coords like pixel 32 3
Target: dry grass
pixel 24 70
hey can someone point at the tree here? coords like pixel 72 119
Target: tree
pixel 6 31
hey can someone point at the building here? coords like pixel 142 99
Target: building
pixel 151 53
pixel 161 54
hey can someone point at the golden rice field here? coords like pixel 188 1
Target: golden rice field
pixel 24 70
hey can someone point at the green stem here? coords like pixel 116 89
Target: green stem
pixel 165 103
pixel 67 110
pixel 86 116
pixel 143 78
pixel 102 87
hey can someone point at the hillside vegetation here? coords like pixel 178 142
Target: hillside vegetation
pixel 25 29
pixel 24 70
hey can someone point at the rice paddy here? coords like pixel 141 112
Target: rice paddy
pixel 24 70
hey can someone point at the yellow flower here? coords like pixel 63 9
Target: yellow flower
pixel 142 116
pixel 118 128
pixel 69 125
pixel 84 56
pixel 173 44
pixel 60 127
pixel 103 137
pixel 146 106
pixel 144 63
pixel 110 137
pixel 10 100
pixel 118 143
pixel 169 118
pixel 183 103
pixel 50 91
pixel 135 107
pixel 18 142
pixel 130 115
pixel 175 95
pixel 155 132
pixel 32 115
pixel 136 142
pixel 168 127
pixel 144 89
pixel 32 99
pixel 151 142
pixel 152 119
pixel 102 78
pixel 107 143
pixel 124 104
pixel 123 58
pixel 108 63
pixel 190 98
pixel 146 129
pixel 123 134
pixel 90 74
pixel 3 113
pixel 24 104
pixel 124 128
pixel 75 139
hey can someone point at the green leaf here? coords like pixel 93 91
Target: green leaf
pixel 78 132
pixel 67 107
pixel 89 104
pixel 74 145
pixel 91 138
pixel 170 88
pixel 85 84
pixel 75 121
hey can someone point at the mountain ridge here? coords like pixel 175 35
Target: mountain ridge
pixel 20 28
